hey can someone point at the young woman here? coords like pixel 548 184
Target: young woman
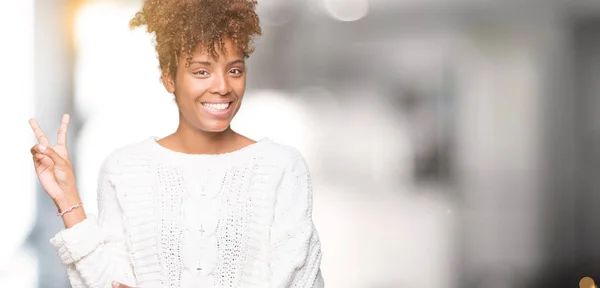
pixel 204 206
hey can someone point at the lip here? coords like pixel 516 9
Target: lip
pixel 219 114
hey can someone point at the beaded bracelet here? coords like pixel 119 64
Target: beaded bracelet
pixel 69 210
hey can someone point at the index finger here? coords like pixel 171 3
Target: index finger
pixel 39 133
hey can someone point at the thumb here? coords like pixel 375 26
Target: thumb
pixel 48 151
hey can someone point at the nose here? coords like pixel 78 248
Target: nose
pixel 220 85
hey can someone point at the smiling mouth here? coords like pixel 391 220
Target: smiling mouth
pixel 217 107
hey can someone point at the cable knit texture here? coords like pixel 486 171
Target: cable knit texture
pixel 170 219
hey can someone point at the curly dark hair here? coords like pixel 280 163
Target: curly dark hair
pixel 180 25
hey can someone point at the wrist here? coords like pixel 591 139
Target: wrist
pixel 63 202
pixel 70 219
pixel 74 216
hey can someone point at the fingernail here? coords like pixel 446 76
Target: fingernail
pixel 115 284
pixel 42 148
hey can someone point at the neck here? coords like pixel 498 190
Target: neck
pixel 193 141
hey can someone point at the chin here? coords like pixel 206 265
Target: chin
pixel 215 127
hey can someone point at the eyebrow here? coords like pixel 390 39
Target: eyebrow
pixel 208 63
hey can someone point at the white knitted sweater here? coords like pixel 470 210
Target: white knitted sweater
pixel 170 219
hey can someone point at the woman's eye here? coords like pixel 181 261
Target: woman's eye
pixel 236 71
pixel 201 73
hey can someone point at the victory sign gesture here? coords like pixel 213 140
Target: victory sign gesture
pixel 54 168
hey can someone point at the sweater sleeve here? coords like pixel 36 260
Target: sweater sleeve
pixel 95 250
pixel 295 244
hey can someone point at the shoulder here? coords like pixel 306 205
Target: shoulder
pixel 125 155
pixel 284 155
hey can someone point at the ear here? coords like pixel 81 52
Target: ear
pixel 168 81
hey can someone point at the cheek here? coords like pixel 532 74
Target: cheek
pixel 239 87
pixel 238 106
pixel 192 88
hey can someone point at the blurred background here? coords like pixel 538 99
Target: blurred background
pixel 452 143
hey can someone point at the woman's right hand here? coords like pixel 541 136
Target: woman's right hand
pixel 53 166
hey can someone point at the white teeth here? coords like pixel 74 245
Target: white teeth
pixel 216 106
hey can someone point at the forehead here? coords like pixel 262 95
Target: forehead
pixel 231 52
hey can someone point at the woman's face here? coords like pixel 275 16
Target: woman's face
pixel 209 91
